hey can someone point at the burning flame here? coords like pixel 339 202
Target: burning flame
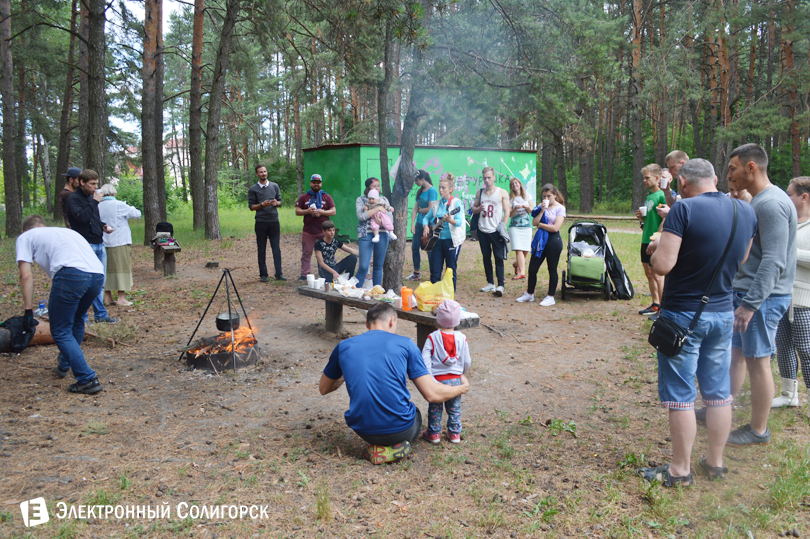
pixel 242 340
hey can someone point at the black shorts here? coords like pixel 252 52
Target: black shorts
pixel 645 258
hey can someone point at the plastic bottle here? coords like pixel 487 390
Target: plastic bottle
pixel 406 294
pixel 41 311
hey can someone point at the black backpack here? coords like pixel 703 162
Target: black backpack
pixel 163 226
pixel 20 338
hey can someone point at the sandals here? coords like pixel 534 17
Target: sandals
pixel 662 475
pixel 712 472
pixel 518 277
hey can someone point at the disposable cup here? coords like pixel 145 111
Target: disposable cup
pixel 311 281
pixel 319 283
pixel 545 204
pixel 643 210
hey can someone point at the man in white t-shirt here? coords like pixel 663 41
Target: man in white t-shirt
pixel 77 277
pixel 493 207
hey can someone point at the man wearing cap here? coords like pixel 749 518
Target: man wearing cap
pixel 264 197
pixel 316 207
pixel 71 182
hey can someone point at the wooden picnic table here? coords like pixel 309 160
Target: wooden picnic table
pixel 425 322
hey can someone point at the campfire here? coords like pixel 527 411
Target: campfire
pixel 234 347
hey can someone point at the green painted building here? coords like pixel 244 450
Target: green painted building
pixel 345 167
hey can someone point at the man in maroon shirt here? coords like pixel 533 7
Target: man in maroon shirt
pixel 316 207
pixel 71 181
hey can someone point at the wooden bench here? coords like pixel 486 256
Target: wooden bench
pixel 425 322
pixel 164 258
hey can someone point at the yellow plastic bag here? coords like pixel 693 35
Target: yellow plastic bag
pixel 430 295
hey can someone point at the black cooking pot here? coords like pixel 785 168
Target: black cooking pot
pixel 224 325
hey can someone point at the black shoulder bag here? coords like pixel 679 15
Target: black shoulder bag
pixel 474 218
pixel 668 337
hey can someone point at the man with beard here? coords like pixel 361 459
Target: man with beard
pixel 264 197
pixel 316 207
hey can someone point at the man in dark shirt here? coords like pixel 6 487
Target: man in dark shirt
pixel 325 248
pixel 316 207
pixel 82 211
pixel 263 198
pixel 71 181
pixel 695 235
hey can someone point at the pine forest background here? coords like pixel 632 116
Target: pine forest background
pixel 181 114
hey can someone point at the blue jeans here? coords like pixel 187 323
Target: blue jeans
pixel 705 354
pixel 367 248
pixel 98 303
pixel 759 338
pixel 72 293
pixel 416 245
pixel 443 254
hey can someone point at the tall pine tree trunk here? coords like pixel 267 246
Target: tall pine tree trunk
pixel 547 160
pixel 12 191
pixel 63 153
pixel 45 165
pixel 214 114
pixel 96 157
pixel 159 73
pixel 634 106
pixel 195 179
pixel 151 184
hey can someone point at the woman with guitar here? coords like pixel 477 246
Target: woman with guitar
pixel 442 225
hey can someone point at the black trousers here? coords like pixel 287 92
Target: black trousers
pixel 348 264
pixel 489 242
pixel 268 231
pixel 551 254
pixel 409 434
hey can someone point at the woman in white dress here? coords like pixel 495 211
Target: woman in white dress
pixel 117 213
pixel 520 226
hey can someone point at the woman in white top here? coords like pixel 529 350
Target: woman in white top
pixel 118 244
pixel 547 245
pixel 793 334
pixel 520 226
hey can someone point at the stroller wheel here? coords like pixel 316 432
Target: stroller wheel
pixel 562 288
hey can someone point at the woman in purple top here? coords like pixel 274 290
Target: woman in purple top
pixel 548 218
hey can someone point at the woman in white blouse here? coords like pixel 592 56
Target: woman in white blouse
pixel 118 244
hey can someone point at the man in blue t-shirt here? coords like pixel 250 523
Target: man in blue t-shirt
pixel 694 238
pixel 376 366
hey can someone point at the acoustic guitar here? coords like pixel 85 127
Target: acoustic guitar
pixel 429 241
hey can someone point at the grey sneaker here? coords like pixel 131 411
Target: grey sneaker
pixel 747 436
pixel 59 372
pixel 88 388
pixel 108 320
pixel 498 292
pixel 488 288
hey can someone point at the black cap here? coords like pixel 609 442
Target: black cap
pixel 73 172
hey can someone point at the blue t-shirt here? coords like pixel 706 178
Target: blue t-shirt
pixel 441 211
pixel 704 225
pixel 424 198
pixel 374 366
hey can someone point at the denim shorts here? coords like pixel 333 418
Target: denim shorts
pixel 759 339
pixel 705 354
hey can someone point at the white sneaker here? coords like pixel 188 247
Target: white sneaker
pixel 488 288
pixel 525 297
pixel 392 236
pixel 548 301
pixel 498 292
pixel 375 239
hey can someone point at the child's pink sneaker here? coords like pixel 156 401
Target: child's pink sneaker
pixel 454 438
pixel 432 438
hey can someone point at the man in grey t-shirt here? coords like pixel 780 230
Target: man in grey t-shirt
pixel 762 288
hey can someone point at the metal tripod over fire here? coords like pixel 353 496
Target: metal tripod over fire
pixel 228 323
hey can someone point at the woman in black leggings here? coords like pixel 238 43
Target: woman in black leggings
pixel 547 244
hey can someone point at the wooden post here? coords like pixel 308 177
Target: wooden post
pixel 334 317
pixel 158 258
pixel 168 263
pixel 422 332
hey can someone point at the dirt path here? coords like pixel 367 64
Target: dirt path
pixel 264 435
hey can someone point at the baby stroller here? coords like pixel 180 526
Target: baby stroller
pixel 587 270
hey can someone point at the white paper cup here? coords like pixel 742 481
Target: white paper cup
pixel 319 283
pixel 544 204
pixel 643 210
pixel 663 182
pixel 311 281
